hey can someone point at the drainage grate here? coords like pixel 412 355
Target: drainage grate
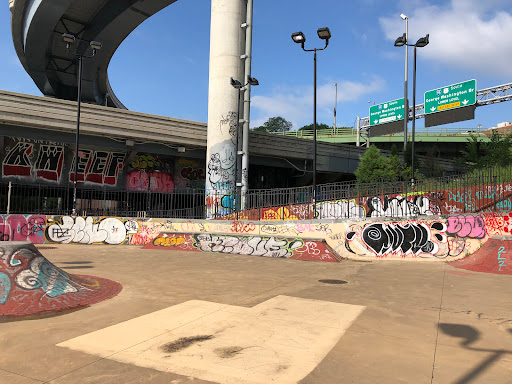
pixel 46 247
pixel 328 281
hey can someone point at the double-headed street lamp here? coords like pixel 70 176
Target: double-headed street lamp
pixel 300 38
pixel 422 42
pixel 238 85
pixel 96 46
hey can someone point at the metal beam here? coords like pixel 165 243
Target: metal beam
pixel 487 96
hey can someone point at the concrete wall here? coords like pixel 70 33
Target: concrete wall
pixel 425 237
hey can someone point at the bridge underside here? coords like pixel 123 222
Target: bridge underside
pixel 37 28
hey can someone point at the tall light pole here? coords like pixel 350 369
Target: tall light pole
pixel 238 85
pixel 300 38
pixel 335 105
pixel 422 42
pixel 95 45
pixel 406 101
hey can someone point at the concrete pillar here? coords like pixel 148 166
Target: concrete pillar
pixel 225 63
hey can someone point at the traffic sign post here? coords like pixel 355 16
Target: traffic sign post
pixel 388 112
pixel 450 97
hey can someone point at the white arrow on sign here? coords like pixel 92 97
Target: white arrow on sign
pixel 375 121
pixel 471 89
pixel 399 117
pixel 433 109
pixel 465 101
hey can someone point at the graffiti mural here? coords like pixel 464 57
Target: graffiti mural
pixel 472 226
pixel 401 207
pixel 108 230
pixel 30 284
pixel 409 239
pixel 189 174
pixel 97 167
pixel 23 228
pixel 339 210
pixel 150 173
pixel 34 161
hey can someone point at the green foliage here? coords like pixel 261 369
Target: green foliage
pixel 479 154
pixel 431 162
pixel 318 126
pixel 275 124
pixel 374 167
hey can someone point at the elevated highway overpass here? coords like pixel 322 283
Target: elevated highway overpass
pixel 37 28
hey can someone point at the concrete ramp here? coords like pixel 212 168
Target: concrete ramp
pixel 495 256
pixel 30 284
pixel 253 245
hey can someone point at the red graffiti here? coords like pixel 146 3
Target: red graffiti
pixel 240 227
pixel 23 228
pixel 137 180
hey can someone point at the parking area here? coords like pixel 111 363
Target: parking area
pixel 218 317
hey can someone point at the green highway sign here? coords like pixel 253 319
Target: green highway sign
pixel 450 97
pixel 387 112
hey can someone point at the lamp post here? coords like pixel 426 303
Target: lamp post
pixel 422 42
pixel 238 85
pixel 335 105
pixel 95 45
pixel 300 38
pixel 405 36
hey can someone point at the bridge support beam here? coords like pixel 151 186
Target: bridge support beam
pixel 223 125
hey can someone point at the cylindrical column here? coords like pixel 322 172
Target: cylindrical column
pixel 222 106
pixel 247 104
pixel 358 139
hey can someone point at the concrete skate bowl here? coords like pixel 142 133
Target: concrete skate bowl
pixel 495 256
pixel 31 285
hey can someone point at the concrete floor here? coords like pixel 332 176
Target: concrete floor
pixel 421 320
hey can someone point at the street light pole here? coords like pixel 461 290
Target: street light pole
pixel 335 105
pixel 300 38
pixel 75 179
pixel 238 86
pixel 95 45
pixel 406 101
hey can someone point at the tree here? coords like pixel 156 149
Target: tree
pixel 275 124
pixel 318 126
pixel 374 167
pixel 479 154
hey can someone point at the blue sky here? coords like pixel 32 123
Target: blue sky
pixel 162 67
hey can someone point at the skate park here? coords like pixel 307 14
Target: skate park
pixel 145 258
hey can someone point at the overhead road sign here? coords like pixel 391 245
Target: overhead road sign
pixel 387 118
pixel 387 112
pixel 450 104
pixel 450 97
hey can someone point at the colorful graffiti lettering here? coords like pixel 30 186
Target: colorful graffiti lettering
pixel 98 167
pixel 23 228
pixel 138 180
pixel 256 246
pixel 472 226
pixel 399 206
pixel 501 260
pixel 168 241
pixel 241 227
pixel 109 230
pixel 403 239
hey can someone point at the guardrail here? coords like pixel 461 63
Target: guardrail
pixel 349 132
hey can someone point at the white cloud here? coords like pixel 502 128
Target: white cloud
pixel 474 35
pixel 296 104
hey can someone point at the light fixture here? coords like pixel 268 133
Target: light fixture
pixel 252 81
pixel 324 33
pixel 422 41
pixel 181 149
pixel 130 143
pixel 96 45
pixel 68 38
pixel 401 41
pixel 236 84
pixel 403 16
pixel 298 37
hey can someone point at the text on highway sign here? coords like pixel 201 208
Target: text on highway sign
pixel 451 97
pixel 387 112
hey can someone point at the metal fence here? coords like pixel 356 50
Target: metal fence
pixel 486 190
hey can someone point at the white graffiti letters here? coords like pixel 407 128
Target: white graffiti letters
pixel 255 246
pixel 81 230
